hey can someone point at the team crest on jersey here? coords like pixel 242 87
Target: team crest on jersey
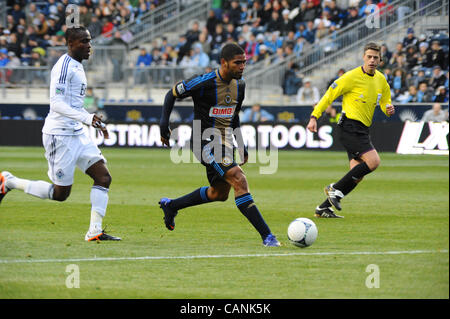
pixel 228 99
pixel 221 111
pixel 180 88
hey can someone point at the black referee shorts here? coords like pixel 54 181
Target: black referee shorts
pixel 355 138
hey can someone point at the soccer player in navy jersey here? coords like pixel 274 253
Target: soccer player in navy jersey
pixel 217 98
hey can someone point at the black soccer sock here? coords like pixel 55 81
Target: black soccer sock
pixel 348 182
pixel 197 197
pixel 325 204
pixel 248 209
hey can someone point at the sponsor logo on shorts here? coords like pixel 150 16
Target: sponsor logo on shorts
pixel 221 111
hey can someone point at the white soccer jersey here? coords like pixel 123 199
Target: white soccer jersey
pixel 67 90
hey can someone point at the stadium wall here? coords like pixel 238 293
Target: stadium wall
pixel 151 113
pixel 404 138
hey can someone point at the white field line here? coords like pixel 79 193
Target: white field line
pixel 348 253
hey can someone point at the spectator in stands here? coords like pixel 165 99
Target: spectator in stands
pixel 117 56
pixel 17 12
pixel 335 14
pixel 312 11
pixel 274 43
pixel 250 48
pixel 366 9
pixel 299 46
pixel 95 27
pixel 235 13
pixel 441 95
pixel 85 16
pixel 436 55
pixel 181 48
pixel 37 60
pixel 15 75
pixel 200 58
pixel 275 23
pixel 424 94
pixel 436 114
pixel 192 34
pixel 218 39
pixel 410 38
pixel 286 24
pixel 398 83
pixel 411 56
pixel 422 56
pixel 308 94
pixel 310 32
pixel 352 16
pixel 292 82
pixel 232 34
pixel 211 22
pixel 140 72
pixel 409 96
pixel 438 77
pixel 256 114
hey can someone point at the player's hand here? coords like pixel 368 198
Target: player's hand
pixel 312 125
pixel 390 109
pixel 99 125
pixel 165 134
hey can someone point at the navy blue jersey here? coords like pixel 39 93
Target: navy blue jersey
pixel 217 103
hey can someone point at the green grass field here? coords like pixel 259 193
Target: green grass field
pixel 397 219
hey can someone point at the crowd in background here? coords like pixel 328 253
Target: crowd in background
pixel 268 30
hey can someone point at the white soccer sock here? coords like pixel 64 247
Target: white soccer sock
pixel 99 201
pixel 17 183
pixel 39 189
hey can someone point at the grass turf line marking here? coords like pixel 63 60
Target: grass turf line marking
pixel 411 252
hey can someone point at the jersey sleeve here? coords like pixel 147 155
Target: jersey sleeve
pixel 336 89
pixel 241 92
pixel 59 96
pixel 385 97
pixel 187 87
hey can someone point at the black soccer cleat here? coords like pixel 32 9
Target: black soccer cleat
pixel 334 196
pixel 101 237
pixel 326 212
pixel 169 213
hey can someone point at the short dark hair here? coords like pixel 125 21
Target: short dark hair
pixel 372 46
pixel 230 50
pixel 74 33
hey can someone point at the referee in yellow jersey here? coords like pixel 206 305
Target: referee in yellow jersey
pixel 362 88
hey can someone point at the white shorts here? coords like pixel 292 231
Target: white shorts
pixel 64 152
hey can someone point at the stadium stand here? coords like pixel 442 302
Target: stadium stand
pixel 272 32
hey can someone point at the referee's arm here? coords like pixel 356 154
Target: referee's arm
pixel 333 92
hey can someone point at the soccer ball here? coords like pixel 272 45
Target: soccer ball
pixel 302 232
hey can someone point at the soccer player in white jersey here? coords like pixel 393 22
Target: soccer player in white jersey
pixel 66 144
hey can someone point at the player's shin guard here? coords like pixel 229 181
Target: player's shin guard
pixel 39 189
pixel 99 201
pixel 248 209
pixel 197 197
pixel 349 181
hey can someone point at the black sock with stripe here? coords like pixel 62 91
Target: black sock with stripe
pixel 197 197
pixel 348 182
pixel 248 209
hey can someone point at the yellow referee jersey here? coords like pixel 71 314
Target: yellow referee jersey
pixel 361 93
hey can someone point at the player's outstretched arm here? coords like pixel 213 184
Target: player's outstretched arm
pixel 169 102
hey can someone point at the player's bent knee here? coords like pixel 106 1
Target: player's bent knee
pixel 104 180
